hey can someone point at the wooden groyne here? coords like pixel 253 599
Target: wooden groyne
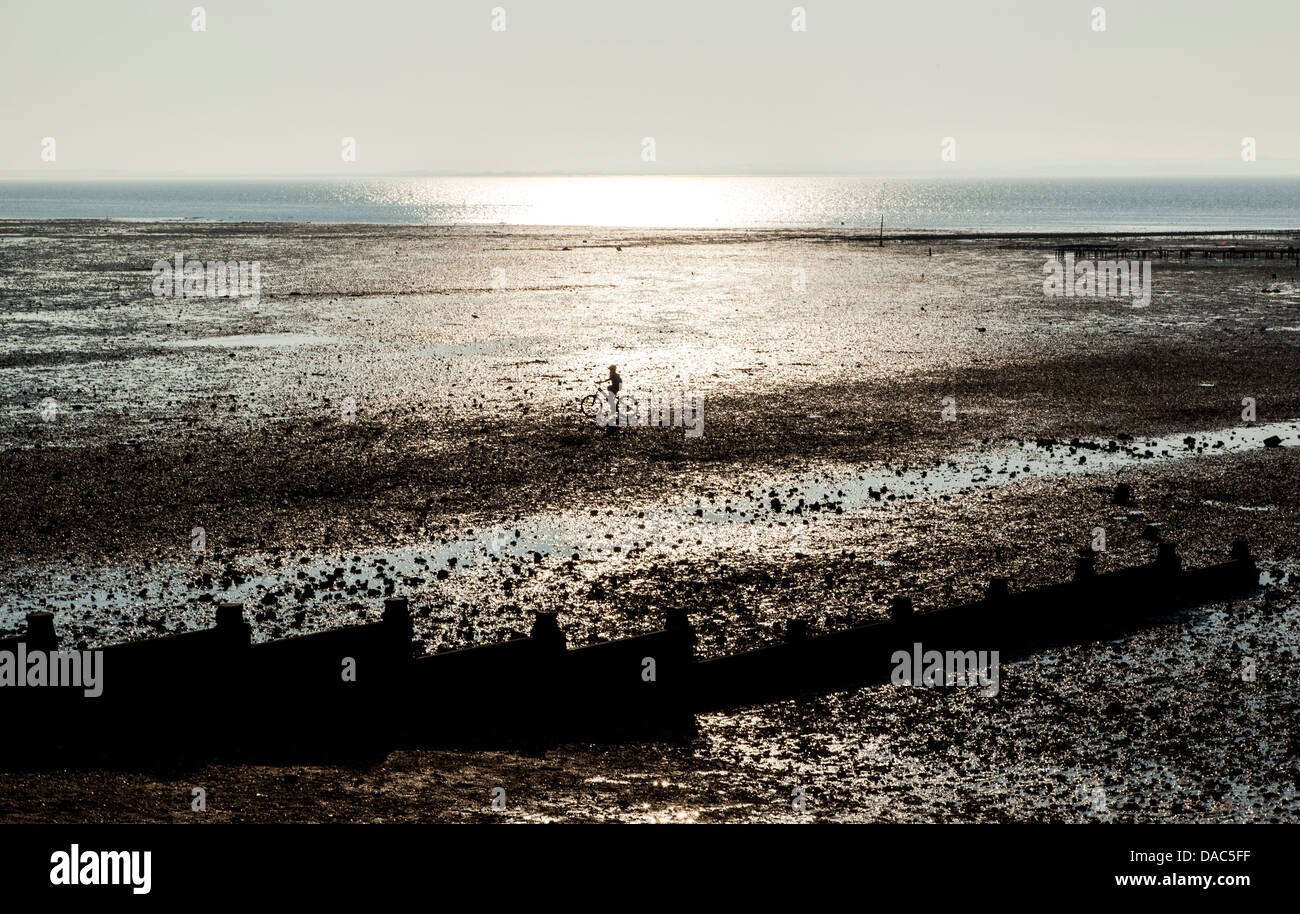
pixel 363 690
pixel 1090 607
pixel 534 690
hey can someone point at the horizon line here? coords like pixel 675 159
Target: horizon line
pixel 99 174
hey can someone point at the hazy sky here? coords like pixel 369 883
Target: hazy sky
pixel 723 86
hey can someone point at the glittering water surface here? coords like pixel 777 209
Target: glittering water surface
pixel 788 514
pixel 682 201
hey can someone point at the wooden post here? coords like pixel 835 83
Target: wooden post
pixel 40 632
pixel 900 608
pixel 1167 557
pixel 1085 567
pixel 998 590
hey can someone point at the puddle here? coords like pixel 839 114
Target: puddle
pixel 1219 504
pixel 259 340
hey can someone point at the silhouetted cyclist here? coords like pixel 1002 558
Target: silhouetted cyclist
pixel 615 385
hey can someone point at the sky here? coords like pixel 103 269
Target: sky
pixel 1022 87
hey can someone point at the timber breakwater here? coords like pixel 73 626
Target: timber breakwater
pixel 359 691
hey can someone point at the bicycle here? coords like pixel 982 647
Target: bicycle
pixel 592 404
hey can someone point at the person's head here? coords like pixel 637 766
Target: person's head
pixel 612 369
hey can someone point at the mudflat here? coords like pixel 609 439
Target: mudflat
pixel 401 403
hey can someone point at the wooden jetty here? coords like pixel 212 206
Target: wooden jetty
pixel 362 690
pixel 1095 250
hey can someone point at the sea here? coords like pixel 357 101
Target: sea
pixel 686 201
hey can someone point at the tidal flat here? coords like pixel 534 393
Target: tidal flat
pixel 396 412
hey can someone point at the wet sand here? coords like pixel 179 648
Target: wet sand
pixel 173 414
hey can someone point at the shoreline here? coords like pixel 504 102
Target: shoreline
pixel 792 232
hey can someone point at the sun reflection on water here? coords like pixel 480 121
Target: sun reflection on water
pixel 650 201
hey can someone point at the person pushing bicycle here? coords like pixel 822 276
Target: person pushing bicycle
pixel 615 385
